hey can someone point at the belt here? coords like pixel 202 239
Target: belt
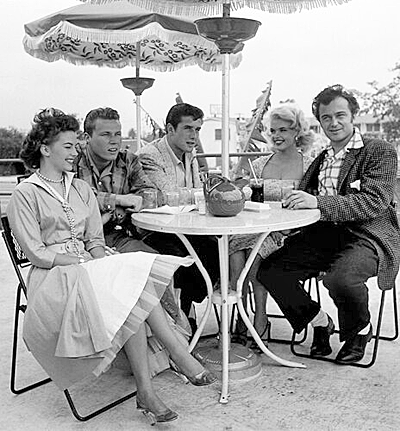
pixel 67 247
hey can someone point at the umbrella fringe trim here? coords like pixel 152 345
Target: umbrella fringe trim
pixel 172 7
pixel 31 44
pixel 130 36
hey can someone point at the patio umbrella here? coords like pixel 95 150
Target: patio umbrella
pixel 212 7
pixel 118 35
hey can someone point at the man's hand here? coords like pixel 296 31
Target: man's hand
pixel 131 201
pixel 298 200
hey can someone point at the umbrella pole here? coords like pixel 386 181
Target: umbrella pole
pixel 225 105
pixel 225 115
pixel 138 105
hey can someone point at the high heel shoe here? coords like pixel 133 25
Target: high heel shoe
pixel 167 416
pixel 204 378
pixel 265 336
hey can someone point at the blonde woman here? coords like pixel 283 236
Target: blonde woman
pixel 286 165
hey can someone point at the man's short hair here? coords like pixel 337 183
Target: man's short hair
pixel 175 114
pixel 98 113
pixel 328 94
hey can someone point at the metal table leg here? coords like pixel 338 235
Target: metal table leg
pixel 243 313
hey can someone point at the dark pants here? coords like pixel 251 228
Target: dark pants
pixel 348 261
pixel 189 279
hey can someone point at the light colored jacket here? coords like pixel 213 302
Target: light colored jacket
pixel 159 167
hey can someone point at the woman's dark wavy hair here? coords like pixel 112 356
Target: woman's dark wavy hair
pixel 47 124
pixel 328 94
pixel 175 114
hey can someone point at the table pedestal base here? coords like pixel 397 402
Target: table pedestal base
pixel 244 364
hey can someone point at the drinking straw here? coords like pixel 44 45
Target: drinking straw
pixel 253 171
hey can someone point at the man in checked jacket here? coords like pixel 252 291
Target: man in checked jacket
pixel 352 183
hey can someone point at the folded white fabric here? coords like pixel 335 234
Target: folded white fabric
pixel 256 206
pixel 166 209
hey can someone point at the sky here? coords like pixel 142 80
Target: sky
pixel 301 53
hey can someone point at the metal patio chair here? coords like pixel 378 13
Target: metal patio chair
pixel 376 336
pixel 19 261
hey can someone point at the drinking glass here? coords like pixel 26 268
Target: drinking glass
pixel 257 190
pixel 285 193
pixel 149 199
pixel 172 199
pixel 185 196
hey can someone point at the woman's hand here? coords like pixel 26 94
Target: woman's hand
pixel 110 251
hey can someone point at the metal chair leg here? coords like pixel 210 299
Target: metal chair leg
pixel 98 411
pixel 376 337
pixel 20 308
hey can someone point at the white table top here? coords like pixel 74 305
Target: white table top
pixel 192 223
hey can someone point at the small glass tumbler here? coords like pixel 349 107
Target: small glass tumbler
pixel 200 202
pixel 149 199
pixel 285 193
pixel 172 199
pixel 257 188
pixel 193 193
pixel 185 196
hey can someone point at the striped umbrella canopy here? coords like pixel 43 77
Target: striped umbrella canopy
pixel 212 7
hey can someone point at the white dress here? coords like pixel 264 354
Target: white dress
pixel 80 316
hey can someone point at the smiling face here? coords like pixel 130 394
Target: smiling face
pixel 282 134
pixel 337 122
pixel 105 142
pixel 59 155
pixel 183 139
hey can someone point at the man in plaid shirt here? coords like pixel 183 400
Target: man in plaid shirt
pixel 116 177
pixel 352 183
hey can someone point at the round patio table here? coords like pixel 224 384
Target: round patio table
pixel 262 222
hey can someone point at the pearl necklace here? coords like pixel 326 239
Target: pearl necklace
pixel 67 209
pixel 49 180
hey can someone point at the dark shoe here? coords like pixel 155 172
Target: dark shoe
pixel 265 336
pixel 320 345
pixel 240 334
pixel 353 350
pixel 166 416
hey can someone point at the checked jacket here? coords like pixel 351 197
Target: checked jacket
pixel 365 201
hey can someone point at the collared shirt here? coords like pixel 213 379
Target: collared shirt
pixel 183 170
pixel 122 176
pixel 330 168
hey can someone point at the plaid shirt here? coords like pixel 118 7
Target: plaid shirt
pixel 123 176
pixel 330 168
pixel 364 200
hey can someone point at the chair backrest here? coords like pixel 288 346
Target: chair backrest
pixel 15 252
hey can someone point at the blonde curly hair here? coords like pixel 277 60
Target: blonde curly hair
pixel 295 116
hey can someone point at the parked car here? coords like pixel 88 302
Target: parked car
pixel 10 171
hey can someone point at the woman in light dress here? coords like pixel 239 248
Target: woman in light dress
pixel 285 166
pixel 84 306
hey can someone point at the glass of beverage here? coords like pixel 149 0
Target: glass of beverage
pixel 285 193
pixel 200 202
pixel 185 196
pixel 172 199
pixel 149 199
pixel 257 189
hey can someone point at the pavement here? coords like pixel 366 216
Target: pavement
pixel 324 396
